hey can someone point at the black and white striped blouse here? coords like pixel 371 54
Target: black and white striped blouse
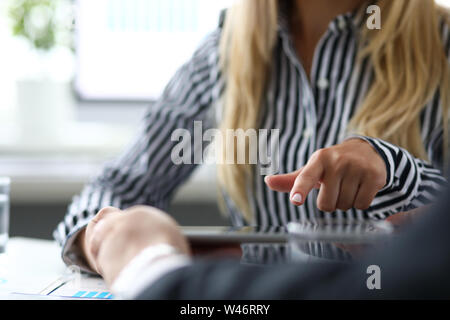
pixel 310 114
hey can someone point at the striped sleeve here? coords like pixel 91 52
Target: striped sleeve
pixel 410 182
pixel 145 173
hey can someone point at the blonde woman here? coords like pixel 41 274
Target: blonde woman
pixel 362 117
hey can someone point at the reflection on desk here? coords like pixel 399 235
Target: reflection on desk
pixel 33 269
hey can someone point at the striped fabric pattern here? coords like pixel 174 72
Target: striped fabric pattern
pixel 311 113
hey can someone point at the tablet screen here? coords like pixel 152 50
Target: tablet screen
pixel 317 230
pixel 338 230
pixel 223 234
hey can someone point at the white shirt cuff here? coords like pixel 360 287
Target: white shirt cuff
pixel 148 266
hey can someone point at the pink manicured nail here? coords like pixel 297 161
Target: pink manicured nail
pixel 297 197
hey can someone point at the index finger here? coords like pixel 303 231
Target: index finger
pixel 282 182
pixel 308 178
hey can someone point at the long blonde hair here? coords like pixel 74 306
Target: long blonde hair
pixel 408 60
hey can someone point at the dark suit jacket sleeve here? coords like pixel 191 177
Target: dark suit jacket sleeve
pixel 416 265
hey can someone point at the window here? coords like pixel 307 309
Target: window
pixel 129 49
pixel 444 3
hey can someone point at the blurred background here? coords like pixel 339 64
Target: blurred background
pixel 75 79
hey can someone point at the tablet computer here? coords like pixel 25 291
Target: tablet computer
pixel 206 235
pixel 328 230
pixel 333 230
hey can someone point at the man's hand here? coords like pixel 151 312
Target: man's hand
pixel 85 236
pixel 117 238
pixel 349 175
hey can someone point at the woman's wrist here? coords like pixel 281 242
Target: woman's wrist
pixel 374 143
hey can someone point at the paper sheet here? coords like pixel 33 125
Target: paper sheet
pixel 85 288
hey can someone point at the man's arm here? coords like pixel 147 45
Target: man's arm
pixel 413 266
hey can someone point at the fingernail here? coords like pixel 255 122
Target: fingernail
pixel 266 177
pixel 297 197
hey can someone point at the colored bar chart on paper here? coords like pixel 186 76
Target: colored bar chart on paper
pixel 93 294
pixel 83 288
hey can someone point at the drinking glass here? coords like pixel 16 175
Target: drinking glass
pixel 4 212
